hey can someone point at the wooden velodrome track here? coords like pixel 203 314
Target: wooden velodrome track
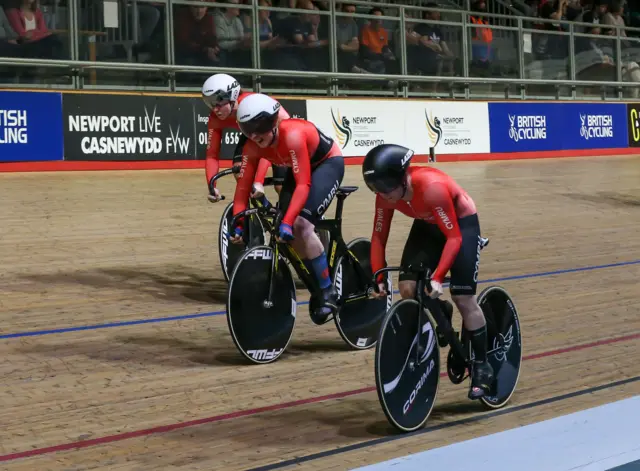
pixel 114 354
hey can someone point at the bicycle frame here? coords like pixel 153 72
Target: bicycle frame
pixel 434 311
pixel 271 217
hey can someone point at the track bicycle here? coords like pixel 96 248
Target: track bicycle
pixel 407 358
pixel 262 302
pixel 253 236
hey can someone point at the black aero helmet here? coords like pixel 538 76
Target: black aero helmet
pixel 384 167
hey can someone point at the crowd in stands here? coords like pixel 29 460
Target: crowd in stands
pixel 24 33
pixel 300 41
pixel 595 53
pixel 223 36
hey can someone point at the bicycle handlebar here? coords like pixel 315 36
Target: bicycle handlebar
pixel 420 269
pixel 234 169
pixel 271 211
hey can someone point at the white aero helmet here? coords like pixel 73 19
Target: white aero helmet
pixel 220 88
pixel 258 114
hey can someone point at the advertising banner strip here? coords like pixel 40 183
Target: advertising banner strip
pixel 360 125
pixel 30 127
pixel 526 127
pixel 115 127
pixel 102 127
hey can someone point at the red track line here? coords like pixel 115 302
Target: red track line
pixel 274 407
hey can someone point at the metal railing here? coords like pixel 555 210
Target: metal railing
pixel 520 67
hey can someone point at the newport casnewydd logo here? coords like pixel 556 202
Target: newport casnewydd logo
pixel 359 130
pixel 527 127
pixel 342 128
pixel 596 126
pixel 448 130
pixel 434 128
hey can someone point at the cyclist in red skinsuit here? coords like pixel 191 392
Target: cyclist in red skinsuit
pixel 437 199
pixel 315 168
pixel 222 94
pixel 445 236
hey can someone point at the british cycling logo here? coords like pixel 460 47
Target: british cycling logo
pixel 13 127
pixel 357 130
pixel 596 126
pixel 522 128
pixel 113 143
pixel 434 129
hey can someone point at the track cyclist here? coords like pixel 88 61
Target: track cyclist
pixel 445 235
pixel 222 95
pixel 315 168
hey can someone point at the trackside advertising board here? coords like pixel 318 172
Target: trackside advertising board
pixel 42 126
pixel 128 127
pixel 525 127
pixel 359 125
pixel 30 126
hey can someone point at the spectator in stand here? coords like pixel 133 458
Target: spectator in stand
pixel 297 31
pixel 434 56
pixel 614 17
pixel 269 42
pixel 596 10
pixel 374 39
pixel 630 69
pixel 347 38
pixel 234 43
pixel 8 38
pixel 552 46
pixel 27 21
pixel 318 40
pixel 594 56
pixel 481 39
pixel 195 37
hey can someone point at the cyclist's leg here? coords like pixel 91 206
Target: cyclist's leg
pixel 325 181
pixel 278 173
pixel 464 280
pixel 422 246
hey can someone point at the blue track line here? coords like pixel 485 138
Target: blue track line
pixel 37 333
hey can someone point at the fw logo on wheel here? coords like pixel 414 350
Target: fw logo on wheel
pixel 264 354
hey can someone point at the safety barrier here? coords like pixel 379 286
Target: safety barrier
pixel 100 130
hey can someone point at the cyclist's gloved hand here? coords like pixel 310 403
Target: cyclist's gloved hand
pixel 285 232
pixel 236 236
pixel 436 289
pixel 214 196
pixel 381 293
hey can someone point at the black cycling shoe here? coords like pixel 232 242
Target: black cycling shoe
pixel 323 305
pixel 481 380
pixel 447 309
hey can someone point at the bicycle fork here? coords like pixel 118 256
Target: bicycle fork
pixel 268 303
